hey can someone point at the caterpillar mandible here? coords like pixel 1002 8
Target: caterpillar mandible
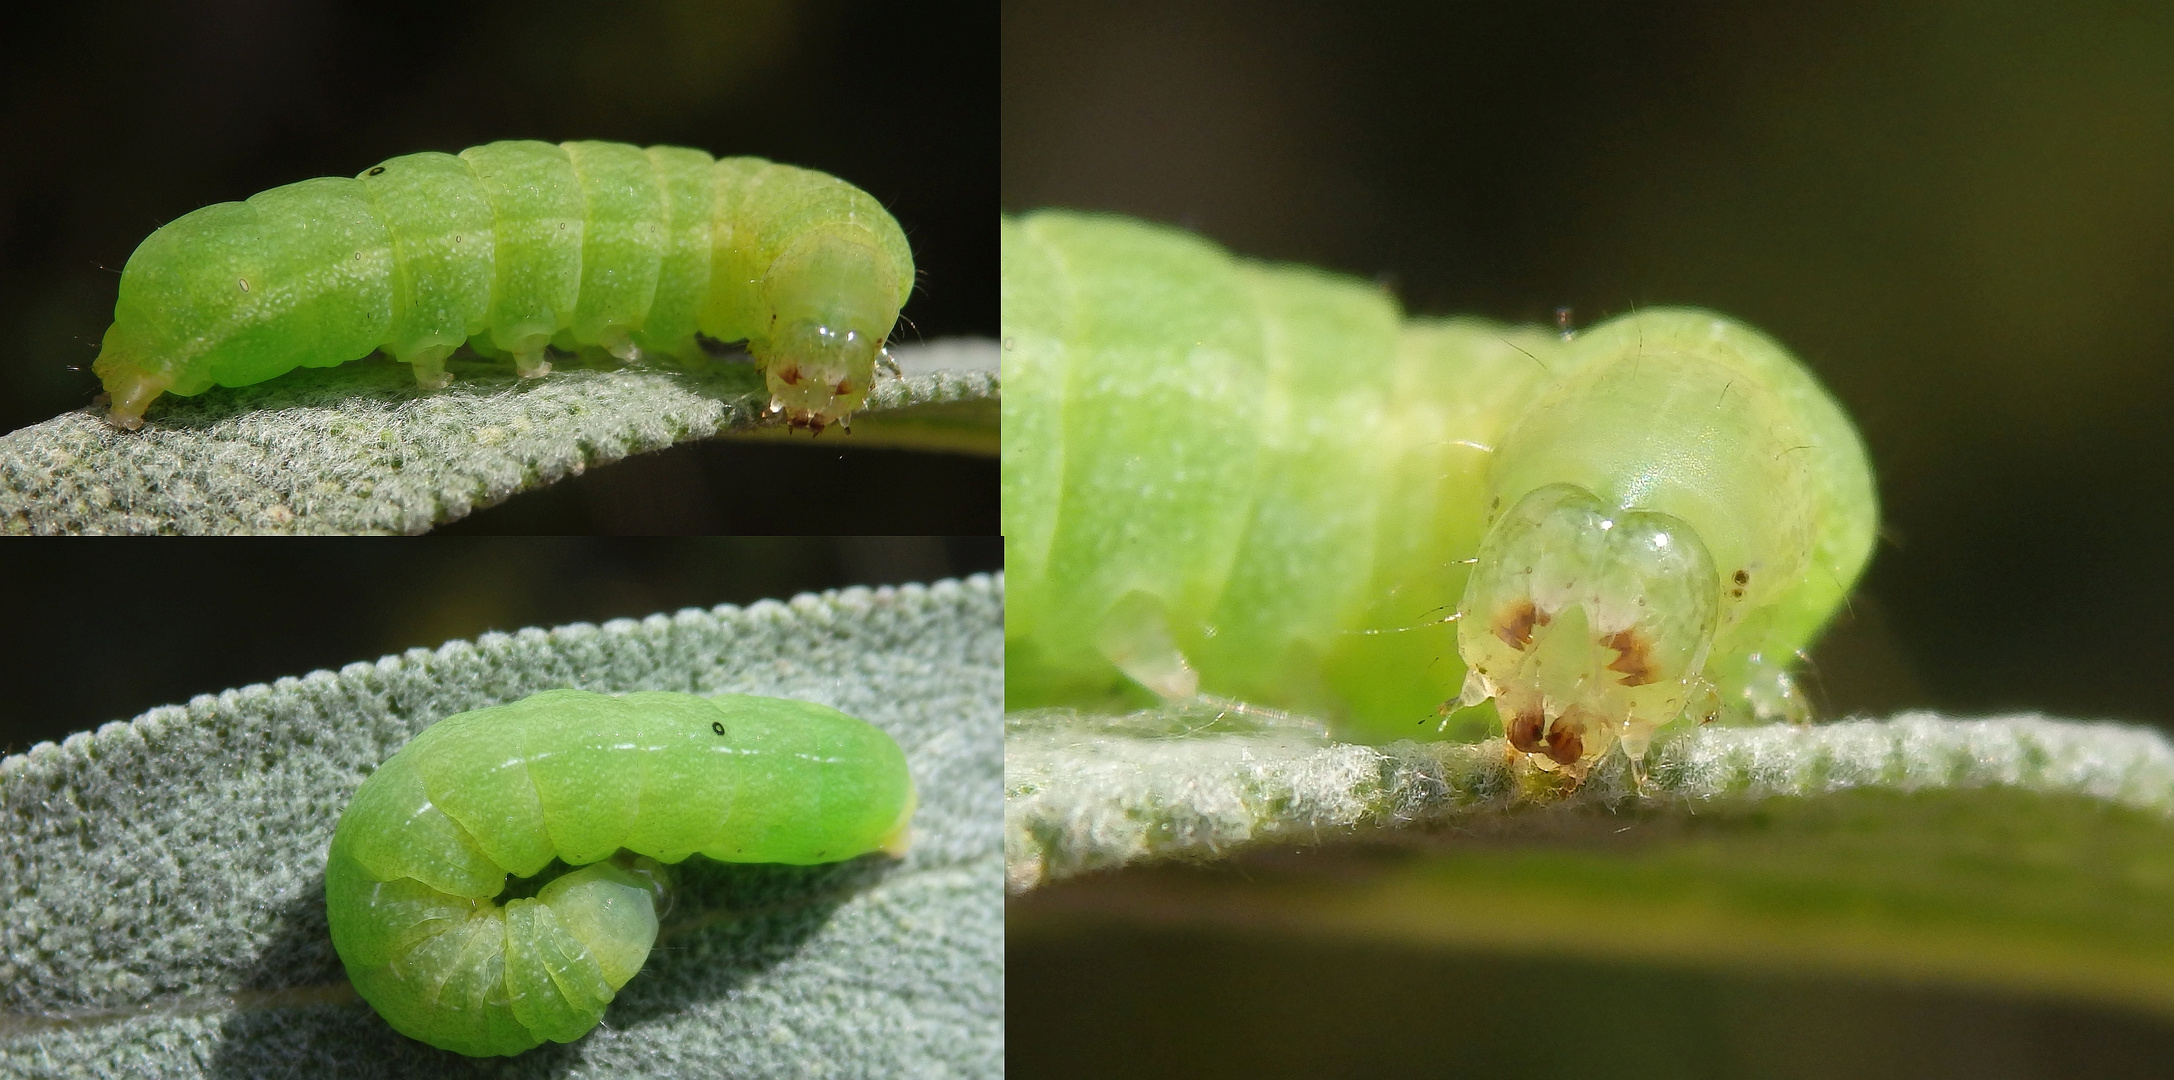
pixel 513 247
pixel 612 786
pixel 1260 481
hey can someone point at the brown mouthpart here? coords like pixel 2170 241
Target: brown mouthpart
pixel 803 420
pixel 1564 746
pixel 1523 731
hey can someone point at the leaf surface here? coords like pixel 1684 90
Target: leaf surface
pixel 360 449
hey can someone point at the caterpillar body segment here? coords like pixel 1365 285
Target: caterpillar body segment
pixel 1318 470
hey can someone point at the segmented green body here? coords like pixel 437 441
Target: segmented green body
pixel 1262 482
pixel 612 785
pixel 512 247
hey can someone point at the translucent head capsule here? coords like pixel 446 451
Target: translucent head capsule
pixel 833 300
pixel 1587 624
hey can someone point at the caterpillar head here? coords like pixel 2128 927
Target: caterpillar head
pixel 832 298
pixel 1587 624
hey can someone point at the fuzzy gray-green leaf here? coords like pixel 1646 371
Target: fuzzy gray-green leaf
pixel 360 449
pixel 164 911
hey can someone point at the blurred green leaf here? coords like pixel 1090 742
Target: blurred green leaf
pixel 2020 852
pixel 360 449
pixel 163 908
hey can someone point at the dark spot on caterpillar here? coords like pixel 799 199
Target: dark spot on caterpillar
pixel 717 726
pixel 1563 745
pixel 377 170
pixel 1633 657
pixel 1743 577
pixel 1514 627
pixel 790 375
pixel 844 387
pixel 243 282
pixel 1737 593
pixel 733 350
pixel 1524 732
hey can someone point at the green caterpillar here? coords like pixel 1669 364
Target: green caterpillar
pixel 1262 482
pixel 509 248
pixel 612 785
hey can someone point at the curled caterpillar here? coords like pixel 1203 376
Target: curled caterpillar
pixel 1262 482
pixel 611 786
pixel 512 247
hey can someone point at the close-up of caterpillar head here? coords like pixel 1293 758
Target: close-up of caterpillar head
pixel 832 297
pixel 1587 624
pixel 1658 512
pixel 1655 549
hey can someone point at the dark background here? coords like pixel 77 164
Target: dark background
pixel 117 117
pixel 1961 215
pixel 102 629
pixel 1151 1002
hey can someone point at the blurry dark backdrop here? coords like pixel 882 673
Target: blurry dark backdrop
pixel 117 117
pixel 102 629
pixel 1961 215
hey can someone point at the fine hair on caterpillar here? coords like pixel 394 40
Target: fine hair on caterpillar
pixel 514 249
